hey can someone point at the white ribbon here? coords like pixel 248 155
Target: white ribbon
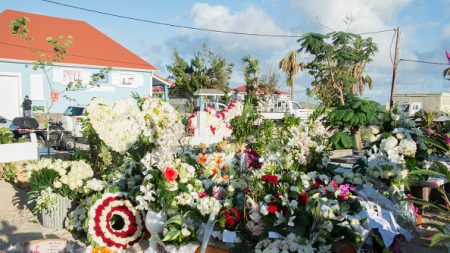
pixel 154 223
pixel 208 232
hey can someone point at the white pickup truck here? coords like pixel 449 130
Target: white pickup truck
pixel 279 108
pixel 71 120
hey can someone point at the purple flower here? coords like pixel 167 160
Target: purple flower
pixel 345 190
pixel 252 159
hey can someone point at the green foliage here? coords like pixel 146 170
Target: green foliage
pixel 341 140
pixel 205 70
pixel 356 113
pixel 38 108
pixel 19 26
pixel 9 171
pixel 41 179
pixel 6 136
pixel 251 75
pixel 264 134
pixel 437 170
pixel 338 65
pixel 243 126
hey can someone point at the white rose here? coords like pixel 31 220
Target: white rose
pixel 400 136
pixel 263 210
pixel 57 184
pixel 230 188
pixel 185 232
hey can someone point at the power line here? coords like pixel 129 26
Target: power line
pixel 192 27
pixel 173 25
pixel 76 55
pixel 425 62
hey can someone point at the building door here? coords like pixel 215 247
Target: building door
pixel 10 99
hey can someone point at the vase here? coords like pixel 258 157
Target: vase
pixel 55 217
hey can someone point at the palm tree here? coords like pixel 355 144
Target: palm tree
pixel 290 67
pixel 251 71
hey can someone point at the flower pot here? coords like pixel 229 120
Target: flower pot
pixel 55 218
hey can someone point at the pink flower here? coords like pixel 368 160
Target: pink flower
pixel 447 138
pixel 217 193
pixel 170 174
pixel 428 131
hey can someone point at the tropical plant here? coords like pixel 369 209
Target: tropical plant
pixel 442 238
pixel 290 66
pixel 338 65
pixel 341 140
pixel 251 75
pixel 205 70
pixel 354 115
pixel 244 125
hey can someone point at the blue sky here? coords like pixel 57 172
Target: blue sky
pixel 425 27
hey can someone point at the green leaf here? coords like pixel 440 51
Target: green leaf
pixel 171 235
pixel 438 239
pixel 426 172
pixel 177 219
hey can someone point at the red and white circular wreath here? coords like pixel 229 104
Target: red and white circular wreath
pixel 114 222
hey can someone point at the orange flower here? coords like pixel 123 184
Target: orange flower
pixel 202 158
pixel 101 250
pixel 215 170
pixel 226 177
pixel 218 159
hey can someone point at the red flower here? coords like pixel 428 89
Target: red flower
pixel 318 183
pixel 202 194
pixel 303 198
pixel 230 221
pixel 334 184
pixel 272 208
pixel 271 179
pixel 170 174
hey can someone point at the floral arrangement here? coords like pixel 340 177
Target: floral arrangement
pixel 50 178
pixel 118 125
pixel 114 222
pixel 217 123
pixel 253 194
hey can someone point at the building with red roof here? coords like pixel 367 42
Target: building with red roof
pixel 90 52
pixel 240 92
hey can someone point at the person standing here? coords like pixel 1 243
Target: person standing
pixel 26 105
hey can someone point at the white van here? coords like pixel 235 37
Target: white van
pixel 71 120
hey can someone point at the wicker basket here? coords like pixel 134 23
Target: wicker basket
pixel 55 218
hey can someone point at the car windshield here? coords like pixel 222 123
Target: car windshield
pixel 74 111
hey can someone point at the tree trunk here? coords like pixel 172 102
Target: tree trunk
pixel 292 90
pixel 358 140
pixel 341 97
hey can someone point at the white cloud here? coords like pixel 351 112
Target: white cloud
pixel 250 20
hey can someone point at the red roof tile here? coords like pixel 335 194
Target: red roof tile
pixel 90 46
pixel 242 89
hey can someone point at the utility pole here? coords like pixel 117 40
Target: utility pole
pixel 394 70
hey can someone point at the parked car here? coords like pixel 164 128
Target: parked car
pixel 6 123
pixel 277 109
pixel 71 120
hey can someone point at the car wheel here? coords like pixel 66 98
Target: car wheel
pixel 68 144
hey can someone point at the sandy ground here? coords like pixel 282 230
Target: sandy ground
pixel 18 225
